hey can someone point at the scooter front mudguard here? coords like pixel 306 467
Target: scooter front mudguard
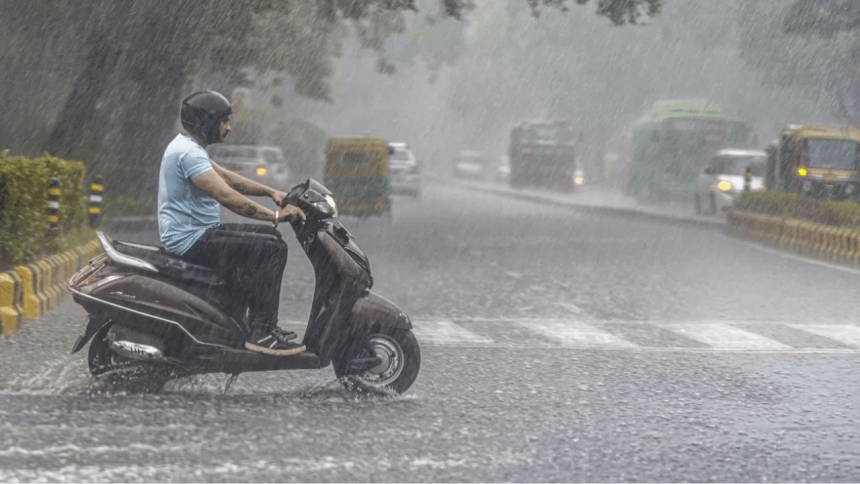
pixel 373 310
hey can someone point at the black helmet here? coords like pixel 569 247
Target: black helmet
pixel 202 113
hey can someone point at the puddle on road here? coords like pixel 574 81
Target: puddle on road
pixel 65 376
pixel 70 376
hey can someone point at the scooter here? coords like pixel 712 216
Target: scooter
pixel 154 316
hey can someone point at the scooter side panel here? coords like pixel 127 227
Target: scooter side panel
pixel 137 296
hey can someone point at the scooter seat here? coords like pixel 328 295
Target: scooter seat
pixel 169 265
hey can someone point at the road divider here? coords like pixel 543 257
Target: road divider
pixel 30 291
pixel 832 244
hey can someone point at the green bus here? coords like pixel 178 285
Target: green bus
pixel 671 143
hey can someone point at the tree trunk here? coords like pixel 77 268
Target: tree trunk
pixel 104 50
pixel 160 73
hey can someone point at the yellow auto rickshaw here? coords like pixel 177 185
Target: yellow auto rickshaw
pixel 820 161
pixel 356 171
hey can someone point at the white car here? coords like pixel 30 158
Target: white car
pixel 265 164
pixel 721 180
pixel 503 171
pixel 578 177
pixel 469 164
pixel 404 170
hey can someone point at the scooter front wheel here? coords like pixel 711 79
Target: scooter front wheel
pixel 401 359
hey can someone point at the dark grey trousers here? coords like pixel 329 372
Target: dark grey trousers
pixel 251 259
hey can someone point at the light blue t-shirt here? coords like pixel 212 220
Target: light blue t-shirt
pixel 185 212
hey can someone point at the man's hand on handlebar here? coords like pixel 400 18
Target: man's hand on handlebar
pixel 279 197
pixel 291 213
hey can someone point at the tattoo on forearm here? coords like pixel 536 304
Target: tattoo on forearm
pixel 239 186
pixel 249 210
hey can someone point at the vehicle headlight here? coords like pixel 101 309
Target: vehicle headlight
pixel 724 186
pixel 802 171
pixel 579 180
pixel 262 171
pixel 328 207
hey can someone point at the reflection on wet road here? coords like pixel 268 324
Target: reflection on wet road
pixel 557 344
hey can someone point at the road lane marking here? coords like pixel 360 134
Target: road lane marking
pixel 570 307
pixel 721 336
pixel 561 333
pixel 571 333
pixel 843 333
pixel 446 332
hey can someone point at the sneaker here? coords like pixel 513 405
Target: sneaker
pixel 284 335
pixel 272 344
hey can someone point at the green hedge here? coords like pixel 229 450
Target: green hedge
pixel 24 232
pixel 791 205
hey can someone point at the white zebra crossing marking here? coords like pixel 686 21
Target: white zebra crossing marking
pixel 446 332
pixel 577 334
pixel 843 333
pixel 720 336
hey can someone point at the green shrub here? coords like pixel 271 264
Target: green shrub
pixel 791 205
pixel 24 234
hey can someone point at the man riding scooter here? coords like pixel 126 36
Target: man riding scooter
pixel 250 257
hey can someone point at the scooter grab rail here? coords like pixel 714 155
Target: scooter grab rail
pixel 123 259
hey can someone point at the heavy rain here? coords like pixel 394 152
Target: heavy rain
pixel 525 241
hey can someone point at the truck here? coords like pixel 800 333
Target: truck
pixel 543 154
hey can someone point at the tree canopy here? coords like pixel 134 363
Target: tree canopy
pixel 813 46
pixel 114 72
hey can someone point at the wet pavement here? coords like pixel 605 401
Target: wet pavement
pixel 559 343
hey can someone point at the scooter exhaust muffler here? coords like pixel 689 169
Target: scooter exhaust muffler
pixel 134 344
pixel 136 351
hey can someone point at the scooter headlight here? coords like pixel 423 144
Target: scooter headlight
pixel 328 207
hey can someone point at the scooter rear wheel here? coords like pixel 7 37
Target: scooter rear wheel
pixel 119 371
pixel 401 360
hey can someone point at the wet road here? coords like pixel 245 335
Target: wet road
pixel 558 345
